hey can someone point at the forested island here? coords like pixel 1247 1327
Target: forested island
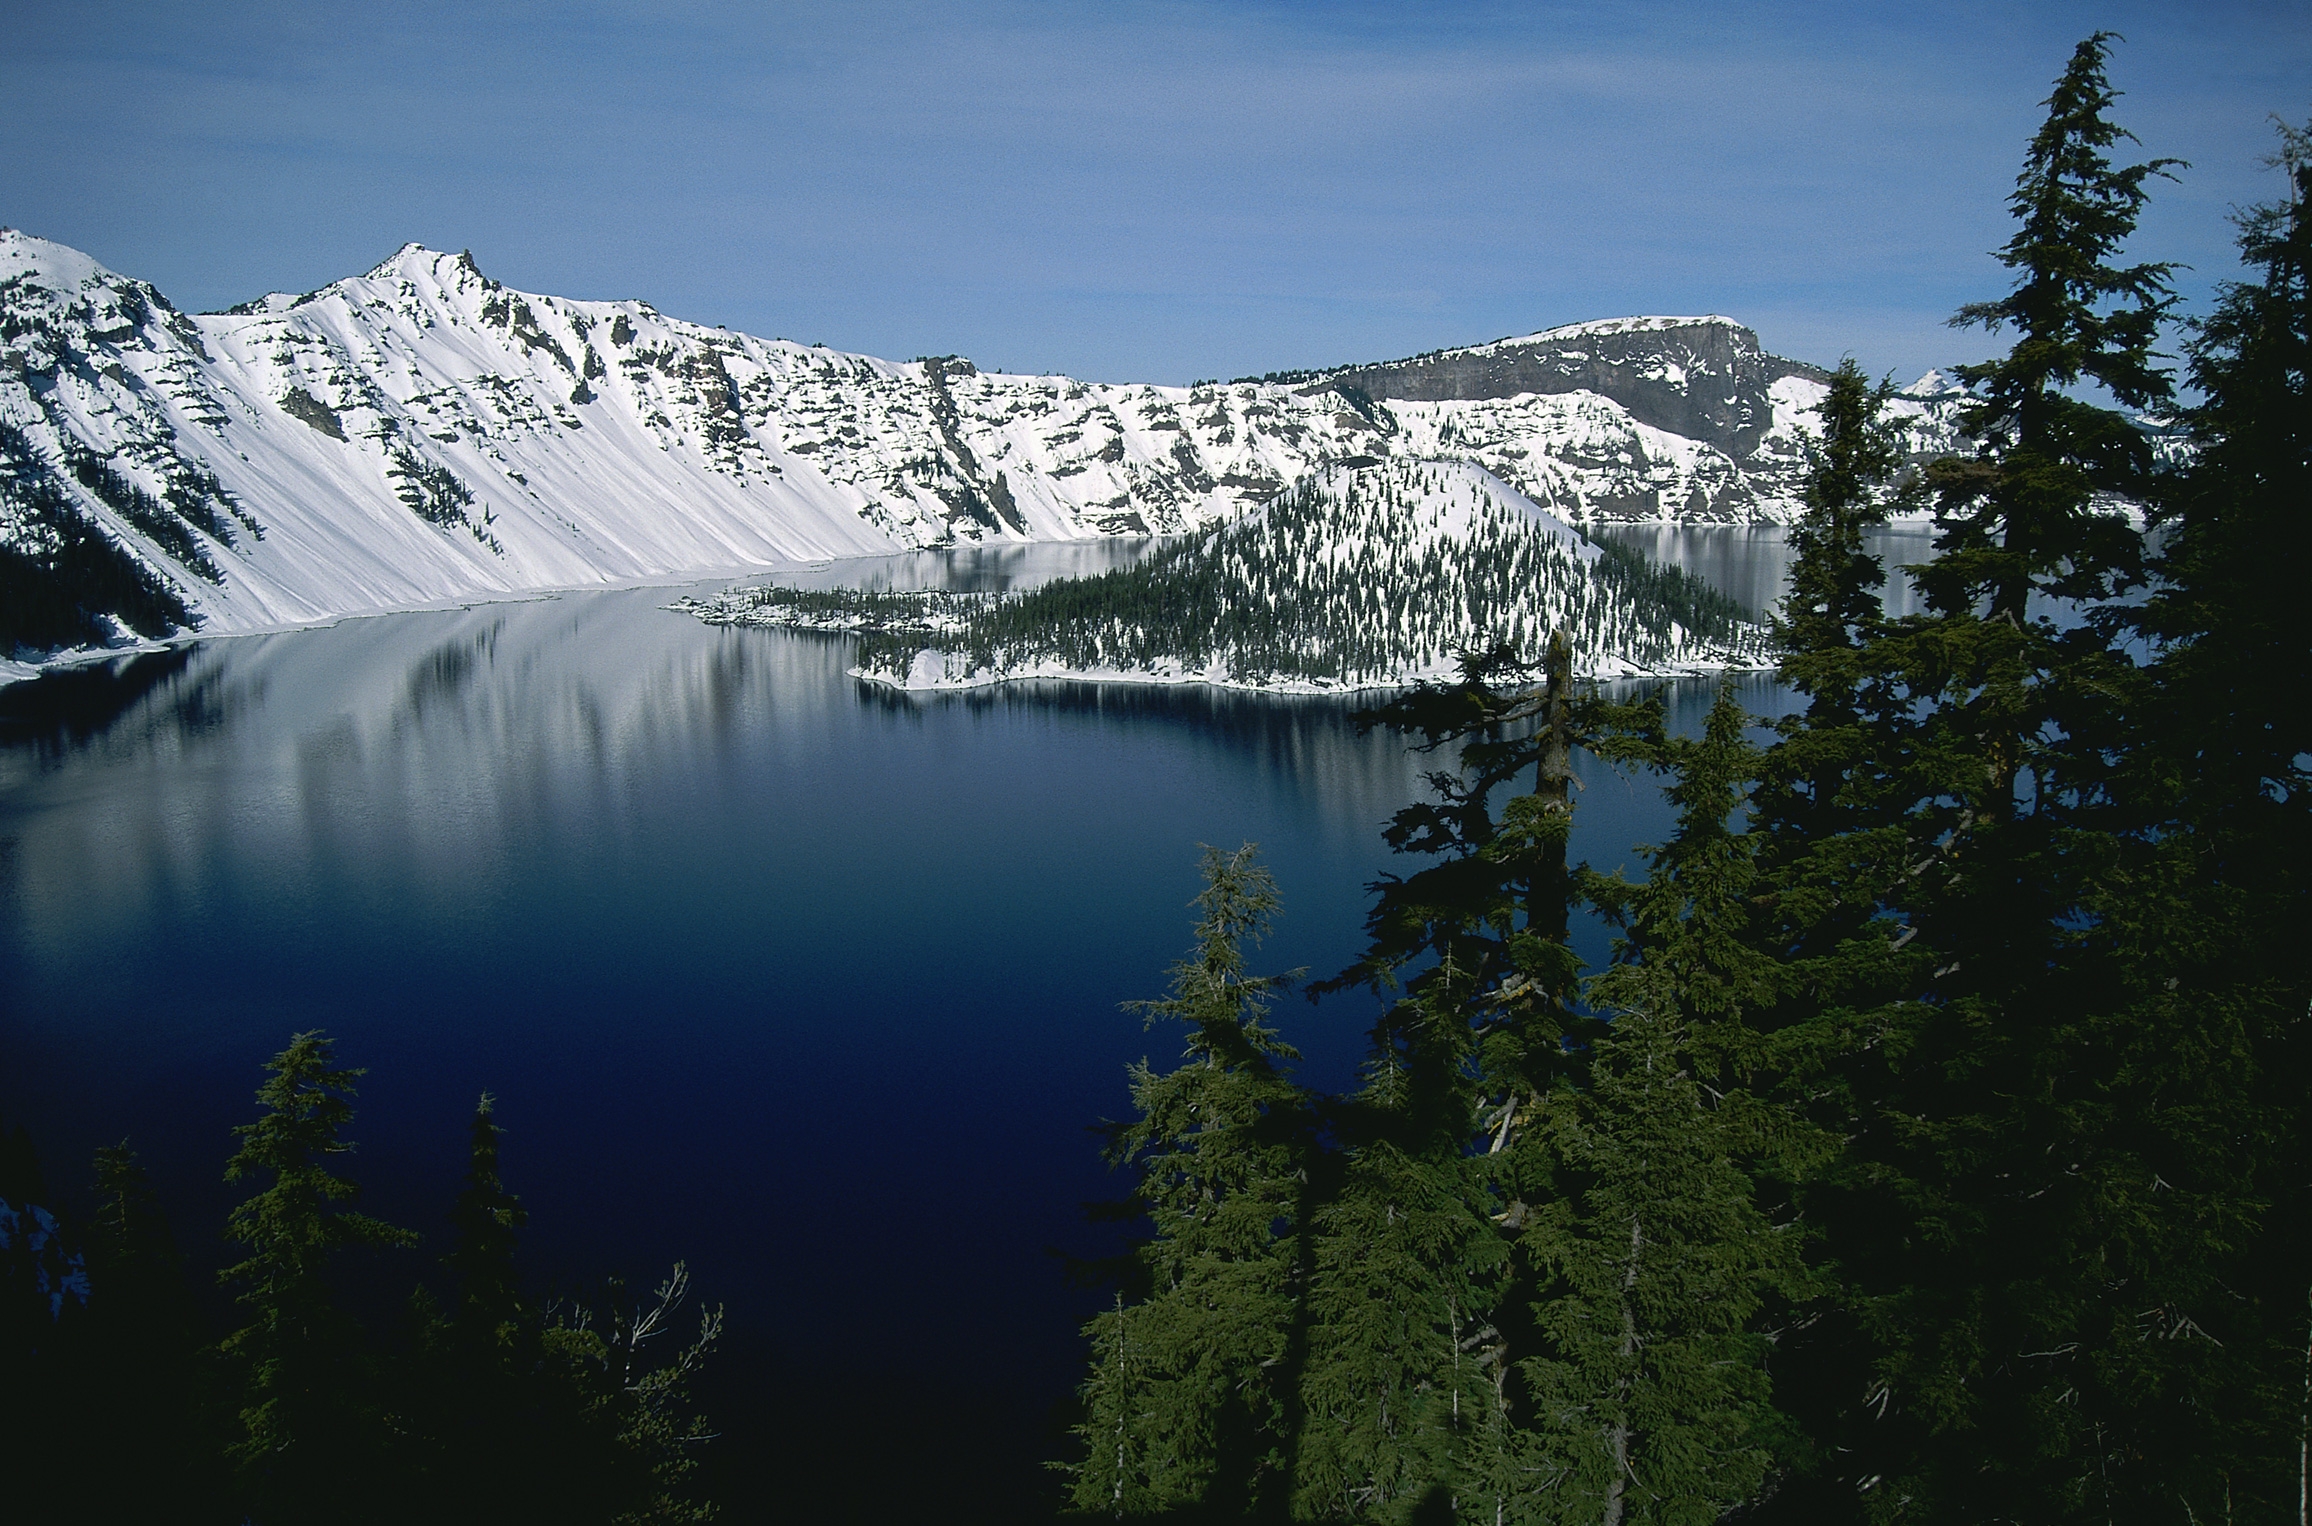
pixel 1933 1147
pixel 1362 577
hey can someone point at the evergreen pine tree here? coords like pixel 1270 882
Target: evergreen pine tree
pixel 1650 1395
pixel 1998 1217
pixel 554 1413
pixel 311 1440
pixel 2018 518
pixel 1418 1382
pixel 505 1436
pixel 1493 914
pixel 1832 857
pixel 1405 1402
pixel 486 1221
pixel 1192 1399
pixel 1653 1259
pixel 2200 905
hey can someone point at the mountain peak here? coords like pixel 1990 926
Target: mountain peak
pixel 419 433
pixel 412 255
pixel 1937 383
pixel 59 266
pixel 417 262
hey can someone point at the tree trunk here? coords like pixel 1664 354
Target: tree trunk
pixel 1618 1439
pixel 1549 912
pixel 2304 1427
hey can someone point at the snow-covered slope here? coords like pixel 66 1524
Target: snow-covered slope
pixel 1633 419
pixel 421 434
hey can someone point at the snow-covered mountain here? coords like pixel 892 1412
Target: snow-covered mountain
pixel 421 434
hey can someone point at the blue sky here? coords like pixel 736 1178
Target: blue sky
pixel 1127 191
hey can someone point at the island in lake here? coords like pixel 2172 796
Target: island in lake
pixel 1365 577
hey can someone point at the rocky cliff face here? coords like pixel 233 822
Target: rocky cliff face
pixel 422 433
pixel 1703 378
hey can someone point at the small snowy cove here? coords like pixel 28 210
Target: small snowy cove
pixel 762 962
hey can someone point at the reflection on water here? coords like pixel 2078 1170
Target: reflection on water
pixel 1751 563
pixel 770 970
pixel 970 569
pixel 71 705
pixel 488 723
pixel 695 905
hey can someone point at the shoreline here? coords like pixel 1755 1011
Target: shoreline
pixel 17 670
pixel 1210 678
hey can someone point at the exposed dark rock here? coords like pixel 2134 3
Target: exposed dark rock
pixel 1706 380
pixel 304 406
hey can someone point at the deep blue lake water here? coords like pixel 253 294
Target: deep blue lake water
pixel 812 986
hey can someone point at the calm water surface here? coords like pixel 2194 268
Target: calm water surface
pixel 811 985
pixel 1751 563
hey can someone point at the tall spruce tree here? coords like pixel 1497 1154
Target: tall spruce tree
pixel 1498 901
pixel 1655 1263
pixel 1415 1399
pixel 506 1436
pixel 312 1442
pixel 1831 613
pixel 1999 1219
pixel 2201 904
pixel 1405 1405
pixel 1832 858
pixel 560 1412
pixel 486 1221
pixel 1192 1402
pixel 2017 519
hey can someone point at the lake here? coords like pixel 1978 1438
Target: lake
pixel 813 986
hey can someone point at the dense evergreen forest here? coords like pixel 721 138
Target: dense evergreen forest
pixel 1369 579
pixel 1932 1148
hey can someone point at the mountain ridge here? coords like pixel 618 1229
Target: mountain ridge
pixel 422 433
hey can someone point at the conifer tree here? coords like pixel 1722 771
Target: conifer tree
pixel 486 1221
pixel 2200 905
pixel 506 1436
pixel 2017 519
pixel 1192 1399
pixel 1404 1380
pixel 1493 914
pixel 1413 1376
pixel 1650 1396
pixel 1998 1216
pixel 1832 859
pixel 560 1412
pixel 1832 611
pixel 1653 1260
pixel 310 1437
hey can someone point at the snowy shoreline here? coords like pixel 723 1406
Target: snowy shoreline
pixel 1215 677
pixel 18 669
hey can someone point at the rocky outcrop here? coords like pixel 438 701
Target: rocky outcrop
pixel 1703 378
